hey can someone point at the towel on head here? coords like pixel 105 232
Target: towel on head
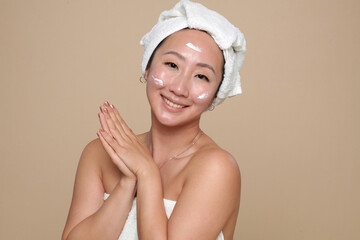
pixel 231 41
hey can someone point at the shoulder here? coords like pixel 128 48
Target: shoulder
pixel 215 159
pixel 213 164
pixel 94 147
pixel 94 157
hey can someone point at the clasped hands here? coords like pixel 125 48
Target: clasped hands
pixel 127 151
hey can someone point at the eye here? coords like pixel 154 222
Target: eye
pixel 203 77
pixel 171 64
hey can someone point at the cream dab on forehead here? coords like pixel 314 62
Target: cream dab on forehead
pixel 193 47
pixel 203 96
pixel 158 81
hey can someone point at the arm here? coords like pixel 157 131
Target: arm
pixel 210 195
pixel 89 216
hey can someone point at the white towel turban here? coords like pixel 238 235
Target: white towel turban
pixel 231 41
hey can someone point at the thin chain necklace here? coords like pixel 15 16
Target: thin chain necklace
pixel 196 138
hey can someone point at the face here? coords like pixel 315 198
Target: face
pixel 184 75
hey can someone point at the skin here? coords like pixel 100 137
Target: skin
pixel 158 81
pixel 203 96
pixel 205 179
pixel 192 46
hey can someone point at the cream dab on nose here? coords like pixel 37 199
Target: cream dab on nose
pixel 193 47
pixel 158 81
pixel 203 96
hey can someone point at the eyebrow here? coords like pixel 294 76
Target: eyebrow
pixel 204 65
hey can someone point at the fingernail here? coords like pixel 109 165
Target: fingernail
pixel 105 110
pixel 107 103
pixel 112 106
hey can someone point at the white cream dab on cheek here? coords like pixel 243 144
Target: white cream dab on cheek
pixel 203 96
pixel 158 81
pixel 193 47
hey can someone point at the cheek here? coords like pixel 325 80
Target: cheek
pixel 202 94
pixel 158 79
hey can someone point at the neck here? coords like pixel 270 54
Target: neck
pixel 165 142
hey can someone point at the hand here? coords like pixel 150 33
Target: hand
pixel 127 151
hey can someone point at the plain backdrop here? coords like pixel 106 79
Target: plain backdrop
pixel 295 130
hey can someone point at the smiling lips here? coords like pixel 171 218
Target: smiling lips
pixel 171 104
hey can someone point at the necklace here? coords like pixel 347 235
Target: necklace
pixel 196 138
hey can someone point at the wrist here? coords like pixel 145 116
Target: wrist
pixel 127 183
pixel 149 172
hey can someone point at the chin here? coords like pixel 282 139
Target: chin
pixel 176 119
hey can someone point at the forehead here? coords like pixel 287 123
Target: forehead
pixel 181 40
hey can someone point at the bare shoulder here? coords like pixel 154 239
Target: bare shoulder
pixel 94 155
pixel 93 150
pixel 214 171
pixel 213 161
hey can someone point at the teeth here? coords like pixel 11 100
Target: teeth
pixel 172 104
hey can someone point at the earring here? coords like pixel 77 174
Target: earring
pixel 142 79
pixel 212 107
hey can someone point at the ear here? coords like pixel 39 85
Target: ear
pixel 213 101
pixel 146 74
pixel 211 104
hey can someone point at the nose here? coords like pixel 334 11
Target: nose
pixel 180 85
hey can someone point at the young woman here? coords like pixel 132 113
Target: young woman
pixel 172 182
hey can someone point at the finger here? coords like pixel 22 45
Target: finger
pixel 110 109
pixel 117 126
pixel 113 129
pixel 119 147
pixel 114 156
pixel 118 121
pixel 109 115
pixel 103 121
pixel 124 126
pixel 107 147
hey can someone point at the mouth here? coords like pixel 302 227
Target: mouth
pixel 171 104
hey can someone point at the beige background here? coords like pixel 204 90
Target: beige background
pixel 295 131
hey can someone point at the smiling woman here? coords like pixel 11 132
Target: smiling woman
pixel 187 75
pixel 174 175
